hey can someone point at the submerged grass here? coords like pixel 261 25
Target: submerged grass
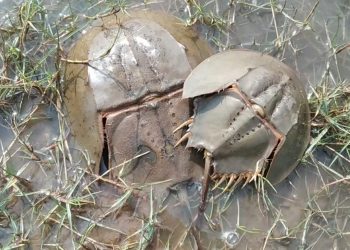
pixel 330 106
pixel 30 68
pixel 31 51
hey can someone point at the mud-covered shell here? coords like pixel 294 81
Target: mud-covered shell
pixel 227 128
pixel 121 60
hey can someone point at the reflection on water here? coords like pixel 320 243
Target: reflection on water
pixel 309 210
pixel 231 238
pixel 307 35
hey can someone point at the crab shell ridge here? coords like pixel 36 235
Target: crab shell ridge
pixel 231 131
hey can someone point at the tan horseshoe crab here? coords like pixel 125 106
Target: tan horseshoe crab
pixel 125 78
pixel 251 118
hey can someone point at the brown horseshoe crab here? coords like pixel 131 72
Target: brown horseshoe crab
pixel 251 118
pixel 125 78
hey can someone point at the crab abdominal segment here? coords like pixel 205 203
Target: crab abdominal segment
pixel 257 109
pixel 251 113
pixel 260 114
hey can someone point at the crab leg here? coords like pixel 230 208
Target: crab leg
pixel 258 168
pixel 222 179
pixel 182 139
pixel 249 177
pixel 240 178
pixel 205 183
pixel 230 182
pixel 184 124
pixel 215 176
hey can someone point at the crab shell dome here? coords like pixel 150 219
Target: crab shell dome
pixel 121 60
pixel 232 132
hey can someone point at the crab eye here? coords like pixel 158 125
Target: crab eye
pixel 258 110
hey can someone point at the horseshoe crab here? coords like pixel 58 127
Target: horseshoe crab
pixel 251 118
pixel 125 78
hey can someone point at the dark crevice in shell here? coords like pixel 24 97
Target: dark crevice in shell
pixel 104 162
pixel 143 100
pixel 270 158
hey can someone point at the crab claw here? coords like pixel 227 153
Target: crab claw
pixel 184 124
pixel 182 139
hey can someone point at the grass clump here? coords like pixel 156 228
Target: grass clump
pixel 330 114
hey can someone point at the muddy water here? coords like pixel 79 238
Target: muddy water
pixel 310 209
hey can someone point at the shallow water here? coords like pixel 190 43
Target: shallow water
pixel 307 35
pixel 310 209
